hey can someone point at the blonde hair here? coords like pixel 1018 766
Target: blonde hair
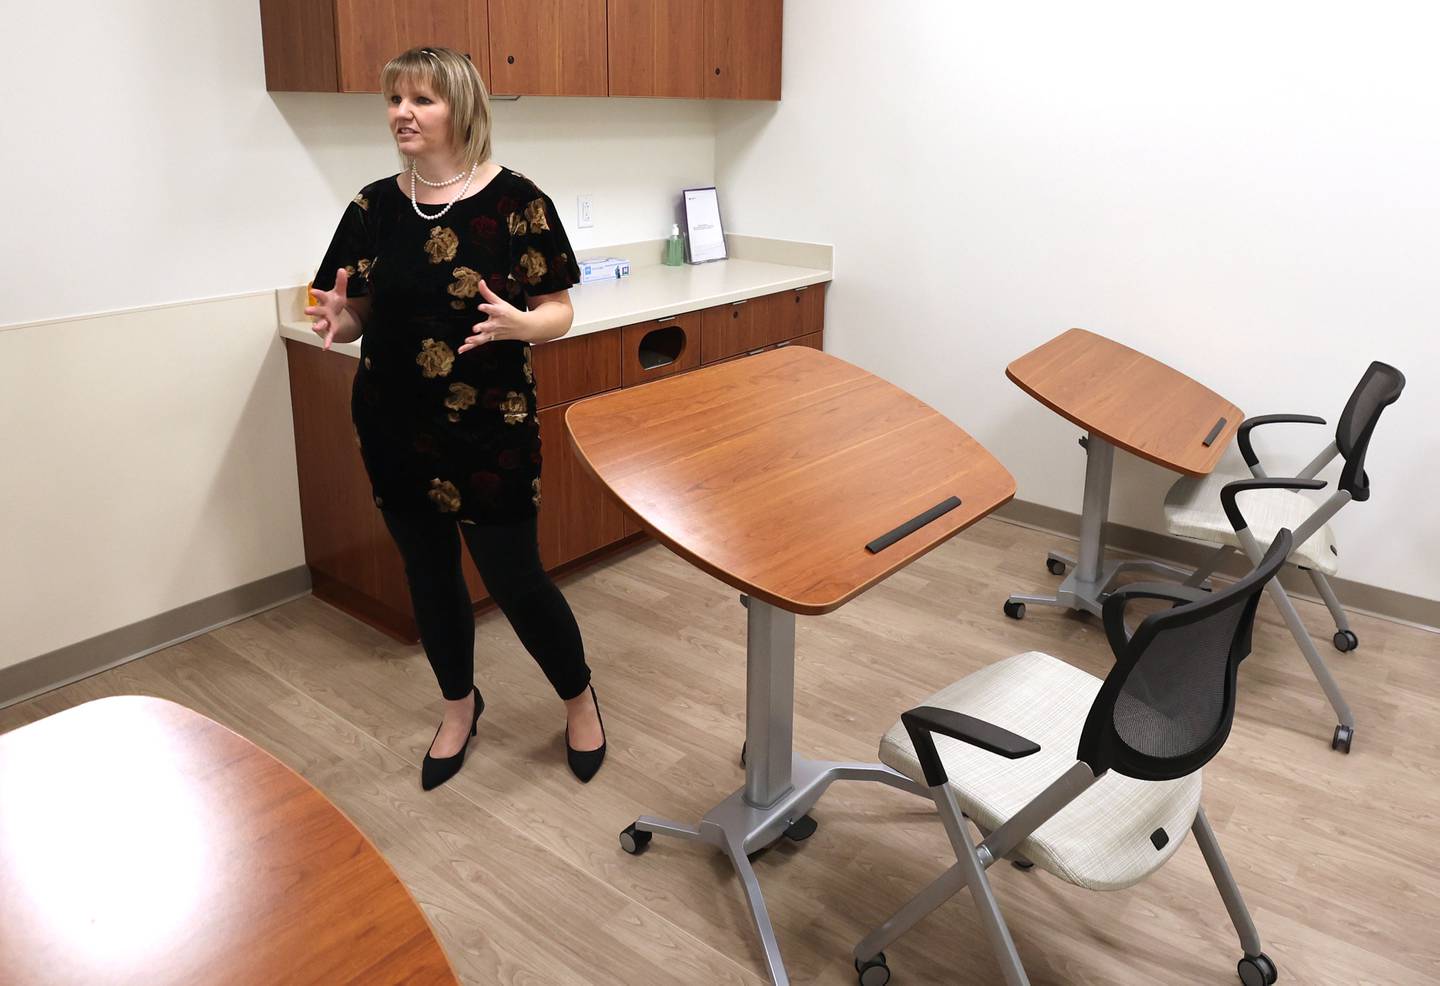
pixel 451 77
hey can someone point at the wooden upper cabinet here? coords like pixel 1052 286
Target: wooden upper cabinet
pixel 548 47
pixel 742 49
pixel 341 45
pixel 657 48
pixel 371 32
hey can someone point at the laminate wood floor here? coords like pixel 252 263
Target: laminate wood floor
pixel 518 866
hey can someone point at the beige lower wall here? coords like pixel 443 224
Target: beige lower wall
pixel 148 462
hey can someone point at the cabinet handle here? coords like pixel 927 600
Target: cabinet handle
pixel 667 318
pixel 510 60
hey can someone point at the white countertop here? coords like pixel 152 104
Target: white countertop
pixel 651 291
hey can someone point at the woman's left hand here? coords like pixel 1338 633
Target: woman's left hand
pixel 504 321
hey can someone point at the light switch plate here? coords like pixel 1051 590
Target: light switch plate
pixel 586 217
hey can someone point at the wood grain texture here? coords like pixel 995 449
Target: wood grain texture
pixel 633 340
pixel 570 368
pixel 1132 401
pixel 226 866
pixel 577 514
pixel 742 48
pixel 748 326
pixel 517 866
pixel 548 47
pixel 774 472
pixel 371 32
pixel 656 48
pixel 299 41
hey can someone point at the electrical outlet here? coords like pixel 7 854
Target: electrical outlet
pixel 586 214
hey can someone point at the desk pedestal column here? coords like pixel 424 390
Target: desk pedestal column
pixel 1091 576
pixel 780 787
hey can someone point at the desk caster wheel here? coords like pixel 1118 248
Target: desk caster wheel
pixel 1055 565
pixel 1345 640
pixel 1016 611
pixel 1343 736
pixel 873 972
pixel 1022 864
pixel 801 829
pixel 742 754
pixel 1257 970
pixel 634 841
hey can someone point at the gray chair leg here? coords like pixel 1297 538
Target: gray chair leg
pixel 1256 966
pixel 1225 883
pixel 1345 638
pixel 968 871
pixel 1209 565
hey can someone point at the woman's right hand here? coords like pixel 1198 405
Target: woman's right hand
pixel 329 308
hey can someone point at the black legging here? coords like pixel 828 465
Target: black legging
pixel 508 558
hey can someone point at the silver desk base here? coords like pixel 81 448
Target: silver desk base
pixel 780 787
pixel 1091 577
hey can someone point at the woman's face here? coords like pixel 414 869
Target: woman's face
pixel 419 120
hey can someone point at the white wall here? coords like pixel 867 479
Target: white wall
pixel 1247 192
pixel 149 457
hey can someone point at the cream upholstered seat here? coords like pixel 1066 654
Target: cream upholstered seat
pixel 1103 839
pixel 1192 510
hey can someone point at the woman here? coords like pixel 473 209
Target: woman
pixel 447 272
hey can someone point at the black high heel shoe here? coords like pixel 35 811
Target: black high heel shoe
pixel 585 763
pixel 435 771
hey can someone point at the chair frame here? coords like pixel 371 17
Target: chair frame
pixel 973 859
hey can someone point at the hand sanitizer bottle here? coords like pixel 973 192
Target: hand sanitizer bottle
pixel 674 249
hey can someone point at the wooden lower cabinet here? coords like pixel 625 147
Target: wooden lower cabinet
pixel 355 566
pixel 577 514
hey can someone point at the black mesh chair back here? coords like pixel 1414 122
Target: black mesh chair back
pixel 1378 389
pixel 1166 707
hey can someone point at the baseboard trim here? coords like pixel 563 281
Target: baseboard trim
pixel 44 672
pixel 1357 597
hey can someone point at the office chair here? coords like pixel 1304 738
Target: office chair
pixel 1193 510
pixel 1094 781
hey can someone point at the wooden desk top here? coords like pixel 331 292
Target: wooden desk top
pixel 141 842
pixel 773 472
pixel 1132 401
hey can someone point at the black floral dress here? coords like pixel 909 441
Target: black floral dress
pixel 443 432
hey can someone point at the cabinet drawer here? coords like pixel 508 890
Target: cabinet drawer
pixel 568 369
pixel 746 326
pixel 652 350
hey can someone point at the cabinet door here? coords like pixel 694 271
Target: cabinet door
pixel 576 366
pixel 548 47
pixel 371 32
pixel 656 48
pixel 299 41
pixel 577 514
pixel 742 49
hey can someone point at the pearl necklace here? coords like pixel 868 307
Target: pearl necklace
pixel 435 184
pixel 416 205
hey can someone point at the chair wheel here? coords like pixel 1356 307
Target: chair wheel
pixel 1257 970
pixel 634 841
pixel 1016 611
pixel 1345 640
pixel 873 972
pixel 1022 864
pixel 742 754
pixel 1342 738
pixel 1055 565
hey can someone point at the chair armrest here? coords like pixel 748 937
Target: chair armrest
pixel 924 720
pixel 1113 611
pixel 1242 436
pixel 1228 494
